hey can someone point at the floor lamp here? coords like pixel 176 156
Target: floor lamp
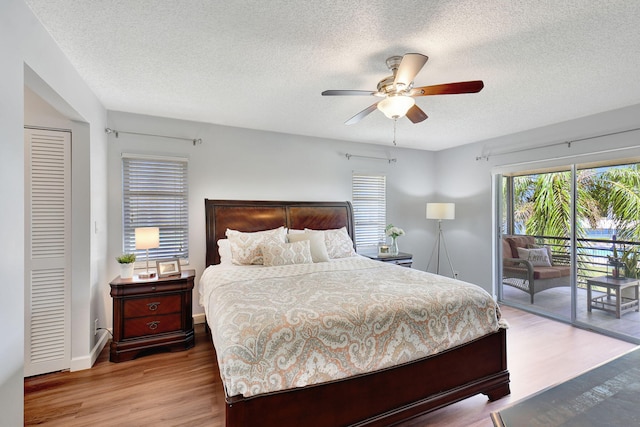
pixel 147 238
pixel 441 211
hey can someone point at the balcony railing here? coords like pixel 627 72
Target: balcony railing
pixel 594 255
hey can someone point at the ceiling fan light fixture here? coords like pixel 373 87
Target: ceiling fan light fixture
pixel 396 106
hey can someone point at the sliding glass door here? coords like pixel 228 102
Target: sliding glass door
pixel 535 262
pixel 569 245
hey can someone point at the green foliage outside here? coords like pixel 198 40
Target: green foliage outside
pixel 542 205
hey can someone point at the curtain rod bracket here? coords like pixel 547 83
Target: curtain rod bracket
pixel 109 131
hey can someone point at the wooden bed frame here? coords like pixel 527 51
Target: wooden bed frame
pixel 381 398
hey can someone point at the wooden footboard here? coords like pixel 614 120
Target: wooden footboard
pixel 385 397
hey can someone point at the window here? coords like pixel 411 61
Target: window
pixel 369 208
pixel 155 194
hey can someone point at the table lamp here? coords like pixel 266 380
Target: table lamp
pixel 147 238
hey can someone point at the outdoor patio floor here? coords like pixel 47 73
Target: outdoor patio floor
pixel 556 302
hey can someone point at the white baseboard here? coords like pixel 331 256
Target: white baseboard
pixel 81 363
pixel 199 318
pixel 78 364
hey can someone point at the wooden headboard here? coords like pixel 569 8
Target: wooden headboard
pixel 245 215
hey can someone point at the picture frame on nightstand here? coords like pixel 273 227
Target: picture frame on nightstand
pixel 168 267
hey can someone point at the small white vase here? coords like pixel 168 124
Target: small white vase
pixel 126 271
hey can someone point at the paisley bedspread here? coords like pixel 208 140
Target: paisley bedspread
pixel 276 328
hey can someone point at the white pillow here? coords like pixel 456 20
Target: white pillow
pixel 545 247
pixel 338 242
pixel 537 257
pixel 245 247
pixel 316 242
pixel 224 250
pixel 286 253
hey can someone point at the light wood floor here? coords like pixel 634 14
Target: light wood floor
pixel 184 388
pixel 556 302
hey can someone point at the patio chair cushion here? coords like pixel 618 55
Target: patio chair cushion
pixel 539 272
pixel 526 276
pixel 506 253
pixel 516 242
pixel 553 272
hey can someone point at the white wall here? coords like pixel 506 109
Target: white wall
pixel 467 182
pixel 26 46
pixel 234 163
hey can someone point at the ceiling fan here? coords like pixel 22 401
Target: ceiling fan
pixel 398 92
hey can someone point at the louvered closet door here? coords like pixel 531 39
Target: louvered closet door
pixel 48 251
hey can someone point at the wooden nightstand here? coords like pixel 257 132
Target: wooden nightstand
pixel 404 259
pixel 151 314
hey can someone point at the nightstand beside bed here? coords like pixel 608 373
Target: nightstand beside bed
pixel 150 315
pixel 402 258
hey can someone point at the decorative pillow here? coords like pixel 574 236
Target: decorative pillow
pixel 245 247
pixel 544 247
pixel 519 241
pixel 338 242
pixel 537 257
pixel 316 243
pixel 286 253
pixel 224 250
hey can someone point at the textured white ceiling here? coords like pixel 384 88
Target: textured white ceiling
pixel 263 64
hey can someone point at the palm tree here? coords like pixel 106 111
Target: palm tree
pixel 542 204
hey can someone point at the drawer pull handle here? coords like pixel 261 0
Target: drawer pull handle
pixel 153 306
pixel 153 325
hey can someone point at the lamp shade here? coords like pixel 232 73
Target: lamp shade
pixel 441 210
pixel 147 237
pixel 396 106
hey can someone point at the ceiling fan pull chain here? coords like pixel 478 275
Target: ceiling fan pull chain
pixel 395 122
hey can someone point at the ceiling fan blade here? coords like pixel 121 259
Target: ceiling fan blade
pixel 416 115
pixel 362 114
pixel 410 66
pixel 448 88
pixel 348 93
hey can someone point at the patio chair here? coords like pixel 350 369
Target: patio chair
pixel 535 273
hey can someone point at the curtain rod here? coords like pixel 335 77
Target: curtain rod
pixel 349 156
pixel 568 143
pixel 117 132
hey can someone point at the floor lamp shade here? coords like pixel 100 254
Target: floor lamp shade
pixel 147 238
pixel 441 210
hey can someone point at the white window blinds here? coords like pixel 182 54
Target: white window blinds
pixel 155 194
pixel 369 208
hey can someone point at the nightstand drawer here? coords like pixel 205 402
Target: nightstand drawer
pixel 152 306
pixel 151 325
